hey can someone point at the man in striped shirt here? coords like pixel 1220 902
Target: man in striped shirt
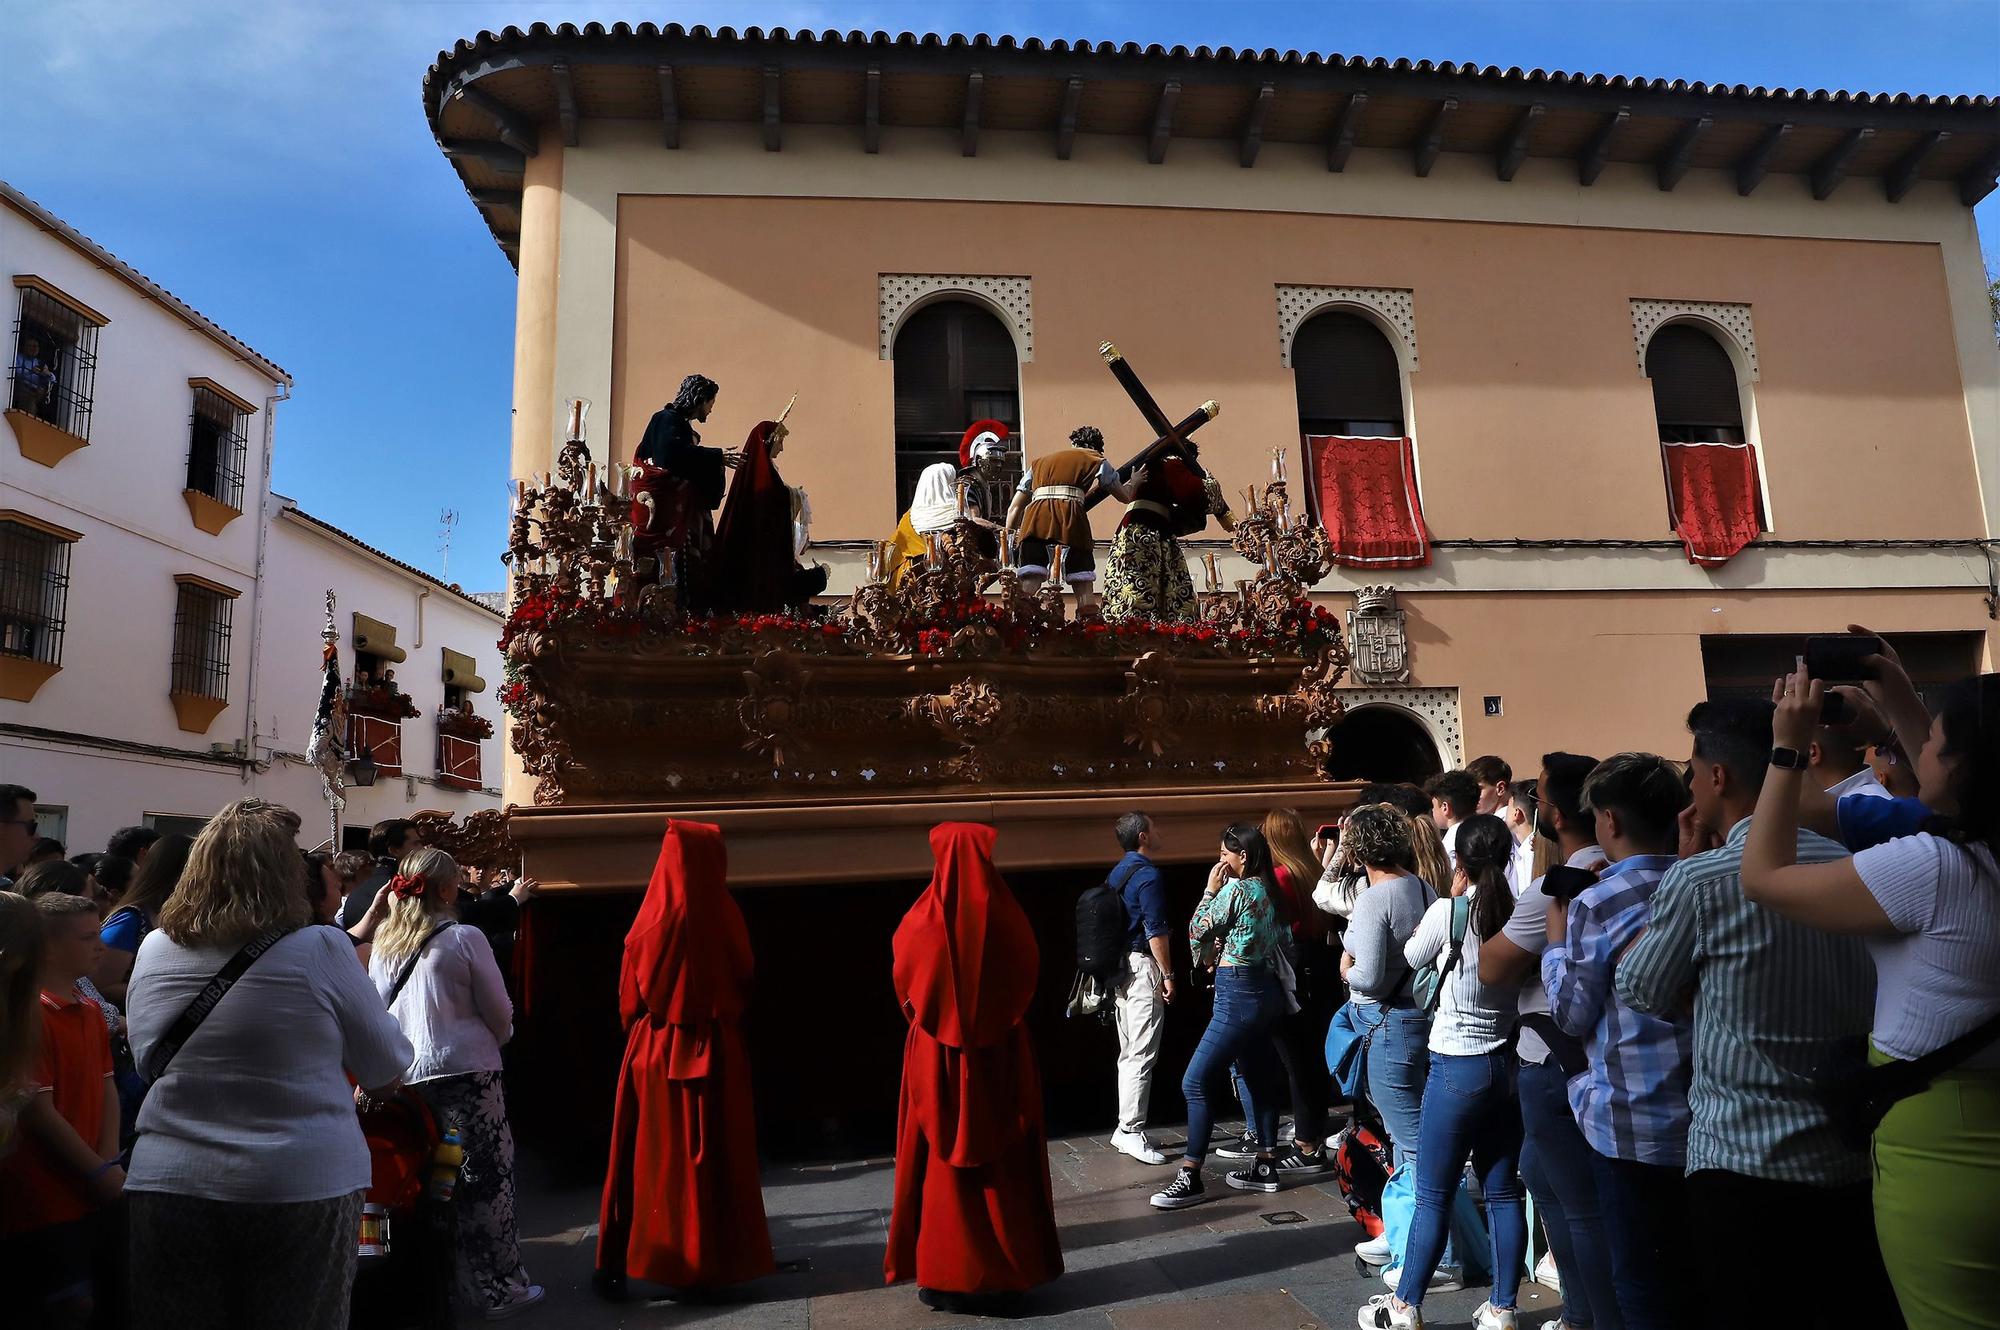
pixel 1778 1010
pixel 1631 1101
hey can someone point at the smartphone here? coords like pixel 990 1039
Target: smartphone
pixel 1562 883
pixel 1328 831
pixel 1842 657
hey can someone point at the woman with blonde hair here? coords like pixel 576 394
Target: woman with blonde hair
pixel 246 1180
pixel 20 1007
pixel 1427 845
pixel 442 985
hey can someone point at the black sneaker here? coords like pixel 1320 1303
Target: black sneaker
pixel 1183 1191
pixel 1243 1147
pixel 1260 1176
pixel 1296 1163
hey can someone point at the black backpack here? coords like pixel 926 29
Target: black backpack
pixel 1102 928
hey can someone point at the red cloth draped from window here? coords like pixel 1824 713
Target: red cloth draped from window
pixel 1366 492
pixel 1712 492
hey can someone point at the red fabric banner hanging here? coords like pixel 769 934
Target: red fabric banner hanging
pixel 1713 496
pixel 1366 494
pixel 458 762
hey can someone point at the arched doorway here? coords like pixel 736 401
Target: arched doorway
pixel 1382 743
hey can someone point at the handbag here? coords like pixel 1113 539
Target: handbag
pixel 1429 982
pixel 1347 1040
pixel 204 1002
pixel 1857 1103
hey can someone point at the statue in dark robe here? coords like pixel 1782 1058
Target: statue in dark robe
pixel 755 568
pixel 681 480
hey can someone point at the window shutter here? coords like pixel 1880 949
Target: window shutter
pixel 1346 370
pixel 1694 381
pixel 924 403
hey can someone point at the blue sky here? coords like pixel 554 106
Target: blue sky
pixel 268 161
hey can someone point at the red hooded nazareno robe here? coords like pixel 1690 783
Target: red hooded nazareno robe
pixel 973 1212
pixel 682 1202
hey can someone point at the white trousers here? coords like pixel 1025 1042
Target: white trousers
pixel 1141 1018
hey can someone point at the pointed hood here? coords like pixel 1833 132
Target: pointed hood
pixel 687 956
pixel 965 956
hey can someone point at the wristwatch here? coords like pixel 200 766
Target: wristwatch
pixel 1791 759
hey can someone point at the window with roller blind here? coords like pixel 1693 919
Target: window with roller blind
pixel 1695 395
pixel 1349 382
pixel 955 363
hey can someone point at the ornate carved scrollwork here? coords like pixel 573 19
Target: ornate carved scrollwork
pixel 1153 709
pixel 480 842
pixel 777 682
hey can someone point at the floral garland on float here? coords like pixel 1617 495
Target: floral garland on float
pixel 952 674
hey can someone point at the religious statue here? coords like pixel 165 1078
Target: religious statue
pixel 755 568
pixel 944 495
pixel 1050 511
pixel 682 480
pixel 1147 574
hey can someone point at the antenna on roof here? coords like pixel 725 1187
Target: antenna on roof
pixel 447 520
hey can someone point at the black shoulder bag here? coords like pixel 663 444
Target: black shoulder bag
pixel 204 1002
pixel 410 965
pixel 1859 1103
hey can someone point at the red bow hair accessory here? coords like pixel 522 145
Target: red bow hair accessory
pixel 403 886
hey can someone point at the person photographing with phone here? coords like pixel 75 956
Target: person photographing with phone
pixel 1927 909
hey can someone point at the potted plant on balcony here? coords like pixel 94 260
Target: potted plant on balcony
pixel 462 722
pixel 380 698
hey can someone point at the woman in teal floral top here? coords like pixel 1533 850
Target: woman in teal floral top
pixel 1240 928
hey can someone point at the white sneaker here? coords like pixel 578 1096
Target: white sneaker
pixel 1381 1314
pixel 1376 1250
pixel 533 1295
pixel 1135 1144
pixel 1490 1317
pixel 1444 1279
pixel 1547 1275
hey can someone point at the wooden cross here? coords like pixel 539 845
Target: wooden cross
pixel 1173 438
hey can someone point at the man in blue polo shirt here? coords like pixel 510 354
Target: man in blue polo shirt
pixel 1146 986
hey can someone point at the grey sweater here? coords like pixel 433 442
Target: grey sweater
pixel 1384 918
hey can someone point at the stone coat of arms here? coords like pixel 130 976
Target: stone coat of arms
pixel 1377 638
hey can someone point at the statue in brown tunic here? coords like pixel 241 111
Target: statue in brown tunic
pixel 1048 512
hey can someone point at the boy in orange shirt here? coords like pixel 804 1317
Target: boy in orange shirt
pixel 64 1168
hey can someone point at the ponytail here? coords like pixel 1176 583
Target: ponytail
pixel 1484 848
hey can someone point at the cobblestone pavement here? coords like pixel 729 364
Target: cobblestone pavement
pixel 1243 1261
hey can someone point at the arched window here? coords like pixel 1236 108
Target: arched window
pixel 955 363
pixel 1349 381
pixel 1695 396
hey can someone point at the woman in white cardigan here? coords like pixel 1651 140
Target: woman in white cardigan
pixel 444 988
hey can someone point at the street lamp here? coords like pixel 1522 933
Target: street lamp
pixel 361 769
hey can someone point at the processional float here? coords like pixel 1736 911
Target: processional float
pixel 830 739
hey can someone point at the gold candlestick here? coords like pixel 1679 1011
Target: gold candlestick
pixel 1214 573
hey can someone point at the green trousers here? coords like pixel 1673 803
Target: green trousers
pixel 1937 1202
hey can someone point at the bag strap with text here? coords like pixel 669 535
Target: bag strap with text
pixel 204 1002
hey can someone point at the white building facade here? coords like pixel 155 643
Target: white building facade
pixel 160 610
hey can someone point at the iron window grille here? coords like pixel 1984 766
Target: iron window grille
pixel 201 642
pixel 218 448
pixel 55 363
pixel 34 592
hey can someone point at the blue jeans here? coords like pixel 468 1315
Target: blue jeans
pixel 1555 1163
pixel 1248 1003
pixel 1469 1109
pixel 1399 1058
